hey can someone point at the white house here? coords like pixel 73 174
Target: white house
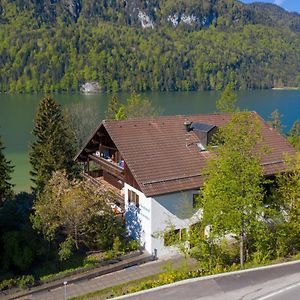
pixel 154 166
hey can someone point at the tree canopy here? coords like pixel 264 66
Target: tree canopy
pixel 294 135
pixel 81 120
pixel 232 193
pixel 74 213
pixel 227 101
pixel 6 169
pixel 107 44
pixel 135 106
pixel 275 121
pixel 288 196
pixel 20 246
pixel 113 108
pixel 51 149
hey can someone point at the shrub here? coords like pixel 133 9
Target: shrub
pixel 26 281
pixel 65 250
pixel 117 246
pixel 7 284
pixel 92 260
pixel 133 245
pixel 108 255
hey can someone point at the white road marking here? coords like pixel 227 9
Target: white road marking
pixel 279 291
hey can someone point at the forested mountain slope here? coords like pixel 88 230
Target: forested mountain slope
pixel 55 45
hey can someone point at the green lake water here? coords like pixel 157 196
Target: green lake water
pixel 17 113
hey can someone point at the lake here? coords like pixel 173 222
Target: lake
pixel 17 113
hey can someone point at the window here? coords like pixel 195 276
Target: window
pixel 137 200
pixel 133 198
pixel 171 237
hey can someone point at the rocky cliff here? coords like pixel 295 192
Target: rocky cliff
pixel 190 14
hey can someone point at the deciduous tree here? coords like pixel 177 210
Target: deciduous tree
pixel 232 194
pixel 81 118
pixel 135 106
pixel 74 213
pixel 288 195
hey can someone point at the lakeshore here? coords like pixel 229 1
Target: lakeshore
pixel 286 88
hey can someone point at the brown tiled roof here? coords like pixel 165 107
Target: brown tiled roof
pixel 164 158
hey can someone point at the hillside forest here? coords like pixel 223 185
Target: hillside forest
pixel 52 46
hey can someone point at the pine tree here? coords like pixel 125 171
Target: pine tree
pixel 5 176
pixel 52 149
pixel 113 108
pixel 227 102
pixel 275 121
pixel 294 135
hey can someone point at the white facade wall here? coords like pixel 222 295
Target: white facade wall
pixel 171 211
pixel 156 215
pixel 138 221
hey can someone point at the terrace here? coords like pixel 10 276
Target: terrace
pixel 114 195
pixel 105 168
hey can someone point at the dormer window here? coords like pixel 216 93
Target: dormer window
pixel 203 131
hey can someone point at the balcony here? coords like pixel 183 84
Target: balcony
pixel 109 166
pixel 113 193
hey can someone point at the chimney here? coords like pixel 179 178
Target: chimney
pixel 188 125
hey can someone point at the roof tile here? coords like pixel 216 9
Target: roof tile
pixel 164 158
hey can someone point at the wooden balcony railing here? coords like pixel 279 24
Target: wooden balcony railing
pixel 108 166
pixel 111 192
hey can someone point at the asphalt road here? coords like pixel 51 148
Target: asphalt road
pixel 84 286
pixel 270 283
pixel 289 292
